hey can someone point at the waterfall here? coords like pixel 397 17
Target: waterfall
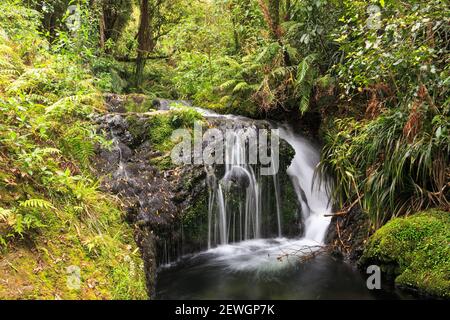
pixel 234 217
pixel 236 213
pixel 312 195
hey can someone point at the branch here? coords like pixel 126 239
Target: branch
pixel 344 211
pixel 128 59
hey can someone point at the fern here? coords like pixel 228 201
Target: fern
pixel 305 81
pixel 37 203
pixel 304 69
pixel 241 86
pixel 5 214
pixel 79 143
pixel 228 85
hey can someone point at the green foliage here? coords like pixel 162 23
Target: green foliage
pixel 47 195
pixel 261 74
pixel 306 77
pixel 409 48
pixel 109 75
pixel 396 159
pixel 37 203
pixel 162 126
pixel 139 103
pixel 374 162
pixel 415 250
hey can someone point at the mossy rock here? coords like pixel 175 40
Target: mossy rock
pixel 415 251
pixel 138 103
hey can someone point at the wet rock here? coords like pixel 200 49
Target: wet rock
pixel 347 234
pixel 114 103
pixel 237 176
pixel 164 104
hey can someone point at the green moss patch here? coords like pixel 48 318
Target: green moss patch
pixel 139 103
pixel 95 241
pixel 158 129
pixel 415 250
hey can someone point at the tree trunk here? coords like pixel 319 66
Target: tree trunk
pixel 274 11
pixel 287 15
pixel 144 42
pixel 102 29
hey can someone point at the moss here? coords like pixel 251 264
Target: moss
pixel 195 224
pixel 160 131
pixel 163 162
pixel 243 108
pixel 108 259
pixel 415 250
pixel 138 103
pixel 289 206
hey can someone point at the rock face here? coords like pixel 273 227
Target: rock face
pixel 154 200
pixel 237 177
pixel 347 234
pixel 169 205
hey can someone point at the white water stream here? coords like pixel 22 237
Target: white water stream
pixel 235 238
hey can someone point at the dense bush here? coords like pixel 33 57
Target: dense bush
pixel 48 196
pixel 391 150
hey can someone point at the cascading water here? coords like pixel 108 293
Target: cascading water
pixel 236 165
pixel 234 218
pixel 311 194
pixel 249 255
pixel 235 204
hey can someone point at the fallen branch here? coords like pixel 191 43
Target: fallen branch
pixel 128 59
pixel 344 211
pixel 305 253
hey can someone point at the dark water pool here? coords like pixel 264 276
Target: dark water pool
pixel 251 270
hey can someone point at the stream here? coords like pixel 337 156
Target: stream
pixel 248 255
pixel 250 270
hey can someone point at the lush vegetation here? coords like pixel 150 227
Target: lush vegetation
pixel 374 73
pixel 415 251
pixel 389 148
pixel 52 214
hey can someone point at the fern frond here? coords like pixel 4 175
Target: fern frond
pixel 5 214
pixel 304 68
pixel 37 203
pixel 228 84
pixel 241 86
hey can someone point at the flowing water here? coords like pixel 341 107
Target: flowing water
pixel 251 270
pixel 247 259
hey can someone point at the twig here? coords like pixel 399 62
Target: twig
pixel 344 211
pixel 303 256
